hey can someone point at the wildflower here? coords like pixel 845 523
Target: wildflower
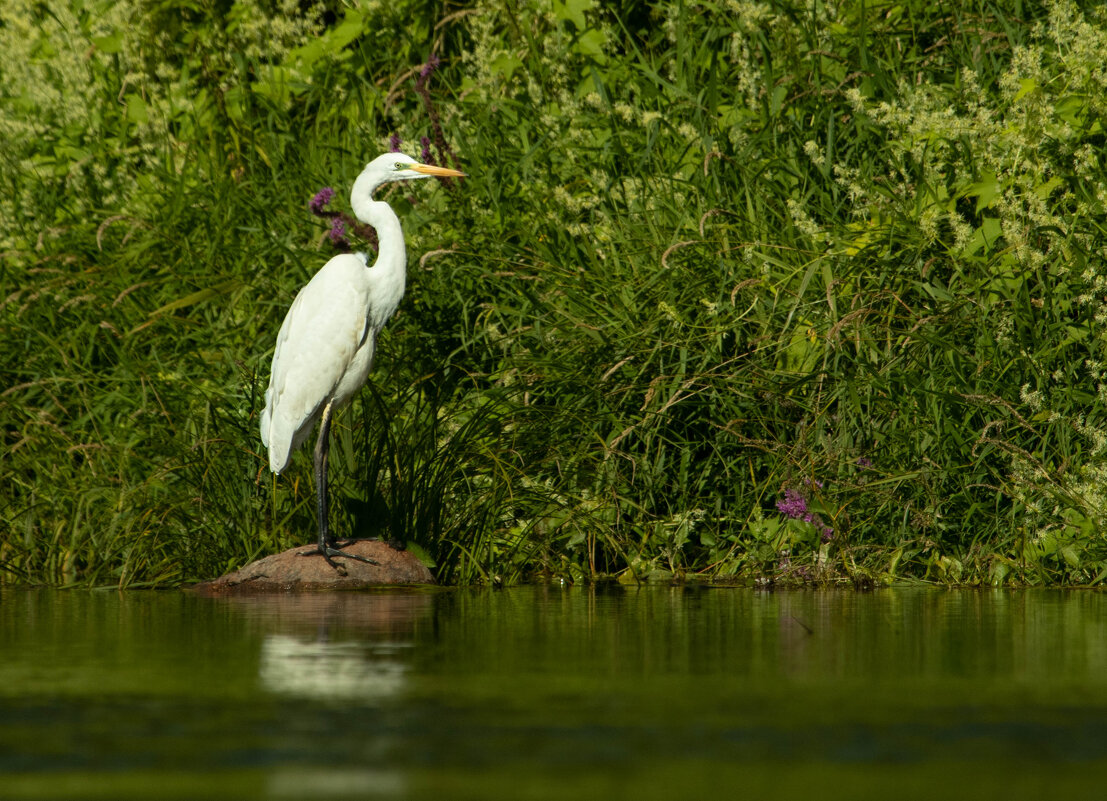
pixel 321 199
pixel 426 156
pixel 338 231
pixel 394 143
pixel 794 505
pixel 864 462
pixel 430 66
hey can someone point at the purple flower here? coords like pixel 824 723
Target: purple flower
pixel 394 143
pixel 426 156
pixel 864 462
pixel 430 66
pixel 321 199
pixel 338 231
pixel 793 505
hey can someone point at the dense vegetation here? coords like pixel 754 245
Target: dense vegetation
pixel 790 291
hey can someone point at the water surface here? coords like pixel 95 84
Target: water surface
pixel 543 693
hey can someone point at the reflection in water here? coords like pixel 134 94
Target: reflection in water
pixel 349 649
pixel 336 646
pixel 538 692
pixel 335 781
pixel 327 671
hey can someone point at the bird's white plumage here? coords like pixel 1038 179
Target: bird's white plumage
pixel 325 346
pixel 326 343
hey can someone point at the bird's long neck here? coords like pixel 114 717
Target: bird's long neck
pixel 389 271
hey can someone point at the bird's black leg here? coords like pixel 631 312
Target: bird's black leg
pixel 326 542
pixel 322 450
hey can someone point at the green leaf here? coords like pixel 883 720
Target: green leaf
pixel 136 109
pixel 572 11
pixel 1045 190
pixel 591 43
pixel 505 65
pixel 112 43
pixel 984 190
pixel 330 43
pixel 985 237
pixel 1026 86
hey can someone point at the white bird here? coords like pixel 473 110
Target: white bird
pixel 325 346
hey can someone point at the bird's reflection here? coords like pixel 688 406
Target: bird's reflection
pixel 349 647
pixel 331 671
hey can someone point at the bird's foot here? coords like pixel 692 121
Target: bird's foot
pixel 327 552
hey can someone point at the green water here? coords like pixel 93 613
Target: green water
pixel 554 694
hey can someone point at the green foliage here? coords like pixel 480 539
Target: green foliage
pixel 706 256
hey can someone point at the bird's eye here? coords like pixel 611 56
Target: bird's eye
pixel 399 165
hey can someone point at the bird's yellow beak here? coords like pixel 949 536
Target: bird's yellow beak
pixel 430 169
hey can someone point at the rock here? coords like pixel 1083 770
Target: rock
pixel 292 570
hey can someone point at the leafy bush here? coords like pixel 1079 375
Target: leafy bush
pixel 748 290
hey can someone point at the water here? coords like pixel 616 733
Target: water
pixel 544 693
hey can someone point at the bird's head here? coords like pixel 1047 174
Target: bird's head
pixel 401 167
pixel 384 169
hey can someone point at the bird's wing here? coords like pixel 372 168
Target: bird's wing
pixel 324 328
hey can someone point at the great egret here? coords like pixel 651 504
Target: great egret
pixel 325 346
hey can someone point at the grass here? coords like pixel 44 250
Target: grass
pixel 770 292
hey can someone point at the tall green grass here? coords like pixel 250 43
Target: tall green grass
pixel 755 291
